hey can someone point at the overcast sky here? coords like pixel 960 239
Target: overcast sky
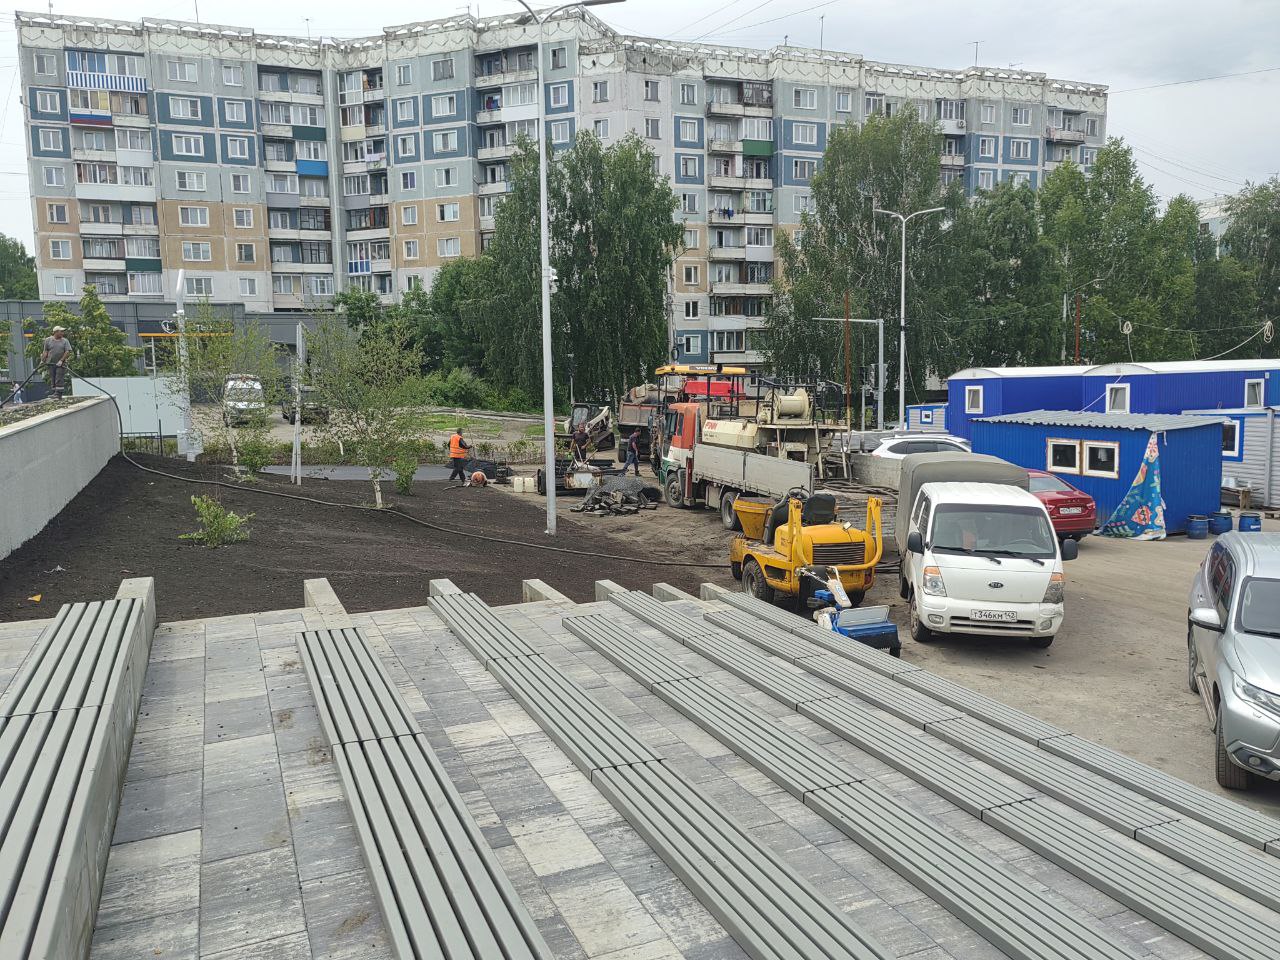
pixel 1200 138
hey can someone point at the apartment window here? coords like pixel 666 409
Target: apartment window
pixel 1117 398
pixel 239 182
pixel 407 146
pixel 560 95
pixel 47 101
pixel 187 146
pixel 404 74
pixel 689 203
pixel 1020 149
pixel 692 344
pixel 987 147
pixel 62 286
pixel 95 212
pixel 652 128
pixel 446 212
pixel 278 220
pixel 128 138
pixel 559 58
pixel 287 284
pixel 248 286
pixel 235 111
pixel 560 131
pixel 803 203
pixel 184 70
pixel 988 113
pixel 1020 116
pixel 1088 156
pixel 145 283
pixel 689 131
pixel 691 274
pixel 1020 179
pixel 245 253
pixel 57 212
pixel 232 75
pixel 691 309
pixel 282 183
pixel 844 101
pixel 804 98
pixel 759 236
pixel 243 217
pixel 143 214
pixel 520 95
pixel 184 108
pixel 688 94
pixel 805 134
pixel 445 142
pixel 355 185
pixel 193 216
pixel 446 176
pixel 50 139
pixel 408 180
pixel 312 150
pixel 600 128
pixel 199 286
pixel 237 148
pixel 803 169
pixel 1253 393
pixel 273 112
pixel 45 65
pixel 60 249
pixel 198 251
pixel 142 247
pixel 1091 126
pixel 93 140
pixel 55 177
pixel 973 399
pixel 442 69
pixel 445 105
pixel 404 110
pixel 690 239
pixel 411 249
pixel 600 91
pixel 408 215
pixel 651 90
pixel 449 247
pixel 688 166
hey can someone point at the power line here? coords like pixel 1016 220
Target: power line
pixel 1178 83
pixel 706 16
pixel 732 20
pixel 785 16
pixel 1183 166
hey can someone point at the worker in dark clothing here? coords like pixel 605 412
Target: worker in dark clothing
pixel 57 351
pixel 458 456
pixel 633 452
pixel 578 447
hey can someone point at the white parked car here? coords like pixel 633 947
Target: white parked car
pixel 895 448
pixel 243 399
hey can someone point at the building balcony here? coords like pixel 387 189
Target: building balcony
pixel 291 96
pixel 724 146
pixel 368 233
pixel 375 129
pixel 314 234
pixel 724 288
pixel 1063 135
pixel 717 181
pixel 952 161
pixel 375 94
pixel 488 223
pixel 487 80
pixel 379 199
pixel 382 265
pixel 90 118
pixel 98 229
pixel 99 156
pixel 492 189
pixel 115 191
pixel 280 166
pixel 104 264
pixel 489 116
pixel 129 120
pixel 140 229
pixel 281 130
pixel 727 253
pixel 760 218
pixel 499 152
pixel 758 183
pixel 718 109
pixel 355 131
pixel 85 80
pixel 313 201
pixel 952 128
pixel 724 217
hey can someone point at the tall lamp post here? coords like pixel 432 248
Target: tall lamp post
pixel 548 414
pixel 902 308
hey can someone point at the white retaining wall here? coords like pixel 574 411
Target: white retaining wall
pixel 46 460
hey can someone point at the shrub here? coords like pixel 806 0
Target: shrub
pixel 218 525
pixel 405 466
pixel 256 449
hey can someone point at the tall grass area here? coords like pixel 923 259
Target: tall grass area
pixel 462 388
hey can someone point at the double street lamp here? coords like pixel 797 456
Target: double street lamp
pixel 540 17
pixel 902 307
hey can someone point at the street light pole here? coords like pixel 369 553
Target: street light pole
pixel 902 307
pixel 548 398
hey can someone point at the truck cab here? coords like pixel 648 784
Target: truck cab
pixel 982 558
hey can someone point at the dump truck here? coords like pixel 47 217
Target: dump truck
pixel 798 550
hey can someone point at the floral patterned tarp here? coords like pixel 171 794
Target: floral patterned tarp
pixel 1140 515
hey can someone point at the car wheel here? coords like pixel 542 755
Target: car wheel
pixel 919 632
pixel 1043 642
pixel 1230 776
pixel 728 516
pixel 674 489
pixel 753 581
pixel 1193 664
pixel 736 570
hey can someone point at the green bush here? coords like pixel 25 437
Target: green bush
pixel 218 525
pixel 256 449
pixel 405 466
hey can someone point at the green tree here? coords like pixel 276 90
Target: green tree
pixel 359 376
pixel 450 327
pixel 1226 308
pixel 359 307
pixel 101 349
pixel 613 238
pixel 1253 239
pixel 17 271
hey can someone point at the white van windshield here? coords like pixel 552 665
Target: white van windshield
pixel 993 530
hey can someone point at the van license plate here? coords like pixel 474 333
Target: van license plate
pixel 1001 616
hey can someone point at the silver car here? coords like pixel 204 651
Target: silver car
pixel 1233 653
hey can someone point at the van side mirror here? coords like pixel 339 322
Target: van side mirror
pixel 1070 549
pixel 1206 618
pixel 915 542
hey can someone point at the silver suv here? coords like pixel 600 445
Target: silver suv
pixel 1233 653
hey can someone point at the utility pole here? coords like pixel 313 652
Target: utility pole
pixel 848 364
pixel 880 368
pixel 1077 329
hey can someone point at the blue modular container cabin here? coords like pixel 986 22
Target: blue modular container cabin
pixel 1250 451
pixel 927 417
pixel 1100 453
pixel 1164 387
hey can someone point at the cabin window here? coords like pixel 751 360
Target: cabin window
pixel 1253 393
pixel 1118 398
pixel 1101 459
pixel 926 416
pixel 972 399
pixel 1062 456
pixel 1230 438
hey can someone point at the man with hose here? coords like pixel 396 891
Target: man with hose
pixel 57 352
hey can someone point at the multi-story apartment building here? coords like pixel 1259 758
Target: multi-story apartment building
pixel 273 171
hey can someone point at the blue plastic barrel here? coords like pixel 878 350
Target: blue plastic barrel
pixel 1220 522
pixel 1197 527
pixel 1250 523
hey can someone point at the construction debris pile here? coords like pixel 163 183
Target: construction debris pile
pixel 618 496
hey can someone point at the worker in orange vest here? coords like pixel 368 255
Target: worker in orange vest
pixel 458 455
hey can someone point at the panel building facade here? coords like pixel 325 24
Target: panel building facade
pixel 270 172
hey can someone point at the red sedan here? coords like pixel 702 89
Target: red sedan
pixel 1072 512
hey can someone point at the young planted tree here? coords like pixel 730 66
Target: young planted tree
pixel 101 349
pixel 359 376
pixel 218 353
